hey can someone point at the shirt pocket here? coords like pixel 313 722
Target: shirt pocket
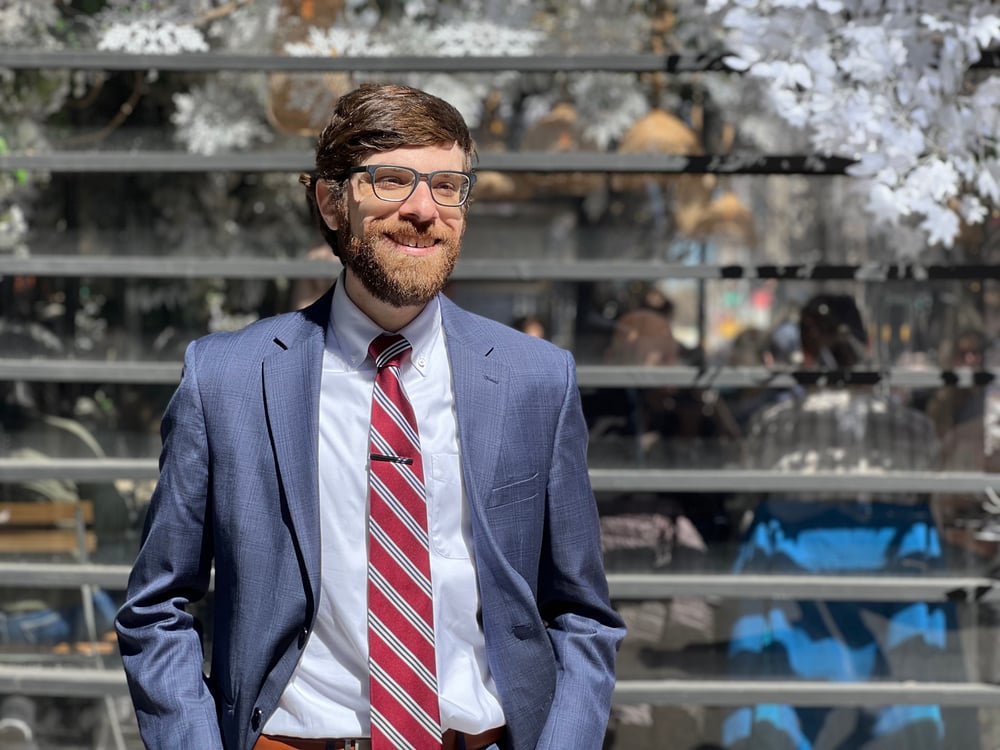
pixel 449 524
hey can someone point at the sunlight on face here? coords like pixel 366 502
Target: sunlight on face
pixel 403 253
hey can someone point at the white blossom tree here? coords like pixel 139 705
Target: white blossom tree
pixel 885 82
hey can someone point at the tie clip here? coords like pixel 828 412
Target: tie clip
pixel 390 459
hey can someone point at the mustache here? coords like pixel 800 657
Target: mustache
pixel 408 228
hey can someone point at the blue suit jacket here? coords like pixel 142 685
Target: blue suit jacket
pixel 238 487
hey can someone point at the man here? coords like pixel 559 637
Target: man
pixel 275 446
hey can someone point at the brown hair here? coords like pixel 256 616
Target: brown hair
pixel 381 117
pixel 642 337
pixel 833 331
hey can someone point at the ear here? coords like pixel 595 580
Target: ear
pixel 325 199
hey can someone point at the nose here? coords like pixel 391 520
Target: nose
pixel 420 206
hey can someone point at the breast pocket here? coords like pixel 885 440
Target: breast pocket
pixel 449 523
pixel 514 491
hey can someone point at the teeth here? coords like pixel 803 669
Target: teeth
pixel 415 243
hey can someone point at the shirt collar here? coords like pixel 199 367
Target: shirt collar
pixel 350 331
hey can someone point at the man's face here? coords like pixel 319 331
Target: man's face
pixel 402 253
pixel 969 352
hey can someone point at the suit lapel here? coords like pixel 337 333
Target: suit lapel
pixel 291 399
pixel 479 380
pixel 292 378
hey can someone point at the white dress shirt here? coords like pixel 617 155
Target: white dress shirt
pixel 328 694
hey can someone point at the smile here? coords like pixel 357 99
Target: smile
pixel 416 244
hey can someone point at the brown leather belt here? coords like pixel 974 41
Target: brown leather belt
pixel 449 741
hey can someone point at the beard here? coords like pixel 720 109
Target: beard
pixel 393 277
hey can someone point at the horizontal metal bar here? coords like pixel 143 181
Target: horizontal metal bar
pixel 25 59
pixel 83 371
pixel 803 693
pixel 874 588
pixel 40 370
pixel 46 575
pixel 752 480
pixel 78 469
pixel 624 586
pixel 89 682
pixel 514 269
pixel 66 681
pixel 29 59
pixel 128 162
pixel 521 161
pixel 167 267
pixel 621 376
pixel 603 480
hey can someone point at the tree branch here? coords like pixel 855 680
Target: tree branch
pixel 221 12
pixel 124 111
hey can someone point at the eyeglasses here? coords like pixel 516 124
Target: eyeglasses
pixel 396 184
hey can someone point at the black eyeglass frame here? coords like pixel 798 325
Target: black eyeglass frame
pixel 369 169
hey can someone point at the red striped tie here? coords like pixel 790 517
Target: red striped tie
pixel 404 696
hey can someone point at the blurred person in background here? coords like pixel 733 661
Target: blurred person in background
pixel 851 430
pixel 752 348
pixel 659 425
pixel 531 325
pixel 957 412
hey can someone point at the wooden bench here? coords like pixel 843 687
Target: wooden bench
pixel 49 527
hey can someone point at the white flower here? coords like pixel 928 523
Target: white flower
pixel 470 38
pixel 986 30
pixel 339 41
pixel 936 178
pixel 972 210
pixel 886 204
pixel 214 117
pixel 608 104
pixel 784 74
pixel 987 183
pixel 873 56
pixel 13 228
pixel 941 225
pixel 151 37
pixel 935 24
pixel 868 165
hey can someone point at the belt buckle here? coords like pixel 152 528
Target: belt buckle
pixel 352 744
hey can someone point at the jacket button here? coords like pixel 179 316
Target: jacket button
pixel 302 637
pixel 255 719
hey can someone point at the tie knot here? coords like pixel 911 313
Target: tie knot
pixel 388 350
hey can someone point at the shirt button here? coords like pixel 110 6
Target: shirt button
pixel 421 361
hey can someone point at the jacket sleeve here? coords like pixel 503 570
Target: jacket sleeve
pixel 158 636
pixel 584 630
